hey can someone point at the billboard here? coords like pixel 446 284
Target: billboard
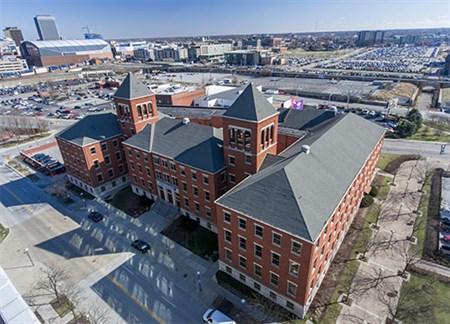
pixel 296 104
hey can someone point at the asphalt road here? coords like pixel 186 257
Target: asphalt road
pixel 143 288
pixel 428 149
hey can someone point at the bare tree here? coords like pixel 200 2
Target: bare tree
pixel 410 258
pixel 270 309
pixel 53 279
pixel 42 124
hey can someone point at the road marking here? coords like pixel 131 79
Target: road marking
pixel 137 301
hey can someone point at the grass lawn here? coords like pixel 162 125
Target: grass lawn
pixel 430 134
pixel 130 203
pixel 3 232
pixel 384 187
pixel 385 159
pixel 423 207
pixel 36 137
pixel 437 124
pixel 424 290
pixel 193 237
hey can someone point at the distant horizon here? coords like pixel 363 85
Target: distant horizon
pixel 142 19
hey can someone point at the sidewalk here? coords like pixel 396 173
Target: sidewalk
pixel 377 284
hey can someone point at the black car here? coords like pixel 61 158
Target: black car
pixel 96 216
pixel 140 245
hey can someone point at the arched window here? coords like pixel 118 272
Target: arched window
pixel 150 108
pixel 145 110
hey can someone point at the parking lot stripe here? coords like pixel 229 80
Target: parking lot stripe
pixel 137 301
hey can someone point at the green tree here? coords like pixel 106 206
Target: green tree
pixel 415 117
pixel 405 128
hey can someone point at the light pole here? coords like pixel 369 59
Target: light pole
pixel 199 282
pixel 27 252
pixel 329 98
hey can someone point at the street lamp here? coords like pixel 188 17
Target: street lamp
pixel 199 282
pixel 26 251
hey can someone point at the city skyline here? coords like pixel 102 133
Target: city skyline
pixel 149 19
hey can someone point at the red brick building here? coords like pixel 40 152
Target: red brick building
pixel 280 191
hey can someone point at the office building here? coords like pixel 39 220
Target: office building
pixel 46 27
pixel 370 38
pixel 15 34
pixel 280 194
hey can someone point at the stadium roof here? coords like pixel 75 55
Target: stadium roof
pixel 69 47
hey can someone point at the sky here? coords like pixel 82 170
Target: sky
pixel 165 18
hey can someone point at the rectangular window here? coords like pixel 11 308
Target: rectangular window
pixel 248 159
pixel 118 156
pixel 231 160
pixel 145 157
pixel 166 177
pixel 104 146
pixel 194 175
pixel 93 150
pixel 140 168
pixel 257 270
pixel 292 289
pixel 142 182
pixel 206 179
pixel 276 239
pixel 129 152
pixel 206 194
pixel 242 262
pixel 107 159
pixel 138 156
pixel 115 143
pixel 99 177
pixel 289 304
pixel 186 202
pixel 182 171
pixel 207 211
pixel 258 231
pixel 294 267
pixel 232 178
pixel 226 217
pixel 275 259
pixel 158 174
pixel 274 278
pixel 296 247
pixel 258 250
pixel 242 243
pixel 147 170
pixel 132 165
pixel 110 173
pixel 223 177
pixel 228 255
pixel 184 186
pixel 174 181
pixel 96 164
pixel 195 191
pixel 156 160
pixel 121 169
pixel 197 206
pixel 242 224
pixel 173 166
pixel 164 163
pixel 227 235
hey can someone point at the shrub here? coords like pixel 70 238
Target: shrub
pixel 373 191
pixel 366 201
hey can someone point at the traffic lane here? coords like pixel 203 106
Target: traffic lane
pixel 410 147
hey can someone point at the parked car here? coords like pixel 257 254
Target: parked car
pixel 96 216
pixel 141 246
pixel 214 316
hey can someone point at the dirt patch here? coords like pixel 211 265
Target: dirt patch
pixel 394 165
pixel 428 289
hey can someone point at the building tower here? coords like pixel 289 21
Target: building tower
pixel 46 27
pixel 135 106
pixel 15 34
pixel 250 128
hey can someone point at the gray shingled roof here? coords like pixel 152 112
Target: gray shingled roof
pixel 306 119
pixel 301 192
pixel 91 129
pixel 132 88
pixel 191 144
pixel 250 105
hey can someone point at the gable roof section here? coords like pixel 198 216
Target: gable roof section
pixel 251 105
pixel 191 144
pixel 91 129
pixel 300 193
pixel 132 88
pixel 306 119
